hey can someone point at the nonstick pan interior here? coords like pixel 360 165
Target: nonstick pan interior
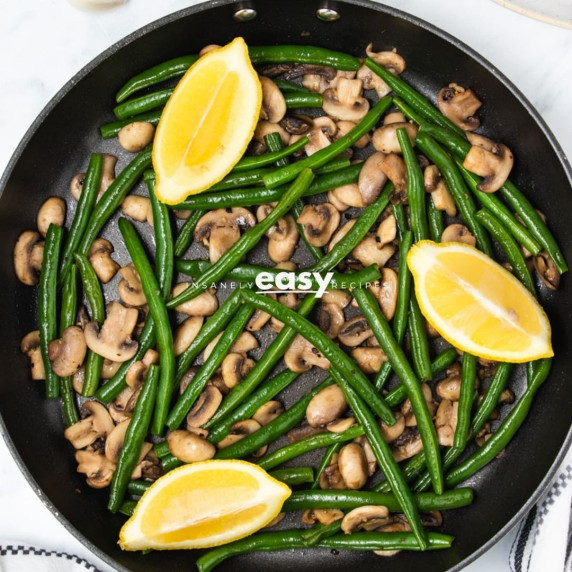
pixel 58 146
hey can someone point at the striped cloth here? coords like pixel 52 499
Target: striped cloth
pixel 24 558
pixel 544 539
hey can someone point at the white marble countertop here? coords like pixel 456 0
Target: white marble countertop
pixel 45 42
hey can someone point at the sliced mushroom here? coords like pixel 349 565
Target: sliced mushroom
pixel 129 288
pixel 68 352
pixel 52 211
pixel 331 478
pixel 119 407
pixel 393 432
pixel 189 447
pixel 107 177
pixel 394 167
pixel 338 297
pixel 109 368
pixel 115 439
pixel 373 81
pixel 259 318
pixel 371 178
pixel 320 222
pixel 492 161
pixel 324 516
pixel 369 252
pixel 449 387
pixel 98 469
pixel 369 359
pixel 446 422
pixel 273 103
pixel 387 292
pixel 407 409
pixel 346 196
pixel 353 465
pixel 345 101
pixel 205 304
pixel 459 105
pixel 220 229
pixel 355 331
pixel 298 70
pixel 135 136
pixel 264 128
pixel 240 430
pixel 234 368
pixel 315 82
pixel 344 127
pixel 330 319
pixel 384 138
pixel 546 270
pixel 340 425
pixel 137 371
pixel 268 412
pixel 326 406
pixel 28 256
pixel 113 339
pixel 138 208
pixel 440 194
pixel 245 342
pixel 30 345
pixel 390 60
pixel 186 333
pixel 282 236
pixel 95 424
pixel 303 432
pixel 341 232
pixel 302 355
pixel 407 445
pixel 458 233
pixel 318 139
pixel 296 125
pixel 205 407
pixel 100 258
pixel 368 517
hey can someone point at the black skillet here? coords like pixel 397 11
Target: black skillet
pixel 58 145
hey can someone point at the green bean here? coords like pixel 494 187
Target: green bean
pixel 334 165
pixel 260 196
pixel 309 444
pixel 89 191
pixel 400 219
pixel 409 112
pixel 400 365
pixel 294 476
pixel 325 462
pixel 47 304
pixel 510 247
pixel 273 143
pixel 194 389
pixel 160 317
pixel 247 273
pixel 134 437
pixel 112 198
pixel 339 360
pixel 128 507
pixel 419 343
pixel 362 226
pixel 348 500
pixel 263 366
pixel 435 219
pixel 247 163
pixel 109 130
pixel 250 405
pixel 248 240
pixel 287 86
pixel 466 398
pixel 209 331
pixel 162 449
pixel 504 433
pixel 417 101
pixel 415 188
pixel 411 469
pixel 492 395
pixel 185 236
pixel 142 104
pixel 94 295
pixel 138 488
pixel 402 306
pixel 116 383
pixel 170 462
pixel 293 539
pixel 297 100
pixel 67 318
pixel 240 179
pixel 493 204
pixel 384 457
pixel 285 174
pixel 319 531
pixel 273 430
pixel 164 248
pixel 441 362
pixel 457 187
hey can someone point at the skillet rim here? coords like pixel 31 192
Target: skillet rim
pixel 204 6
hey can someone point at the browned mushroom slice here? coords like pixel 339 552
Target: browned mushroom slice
pixel 345 101
pixel 341 232
pixel 344 127
pixel 369 252
pixel 138 208
pixel 273 103
pixel 346 196
pixel 372 178
pixel 355 331
pixel 407 445
pixel 546 270
pixel 52 211
pixel 387 292
pixel 338 297
pixel 331 478
pixel 353 465
pixel 296 125
pixel 243 344
pixel 264 128
pixel 459 105
pixel 186 333
pixel 28 255
pixel 220 229
pixel 30 345
pixel 303 432
pixel 259 318
pixel 107 177
pixel 458 233
pixel 407 409
pixel 68 352
pixel 330 319
pixel 129 288
pixel 205 407
pixel 97 468
pixel 440 194
pixel 299 70
pixel 369 359
pixel 189 447
pixel 282 236
pixel 341 425
pixel 96 423
pixel 326 406
pixel 369 517
pixel 302 355
pixel 268 412
pixel 118 408
pixel 389 59
pixel 450 387
pixel 240 430
pixel 113 339
pixel 318 139
pixel 324 516
pixel 446 422
pixel 319 222
pixel 100 258
pixel 205 304
pixel 135 136
pixel 315 82
pixel 384 138
pixel 373 81
pixel 109 368
pixel 492 161
pixel 235 367
pixel 394 167
pixel 392 432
